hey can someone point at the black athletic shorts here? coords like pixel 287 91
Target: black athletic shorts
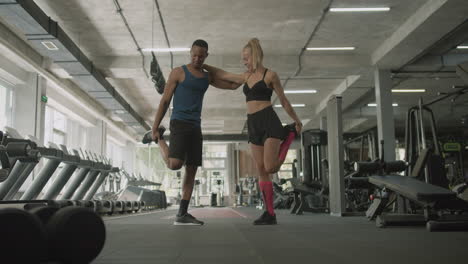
pixel 264 124
pixel 186 142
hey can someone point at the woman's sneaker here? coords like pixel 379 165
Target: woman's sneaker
pixel 187 219
pixel 265 219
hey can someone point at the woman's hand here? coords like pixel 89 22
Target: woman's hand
pixel 298 127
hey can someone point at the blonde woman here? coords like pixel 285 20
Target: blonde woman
pixel 268 139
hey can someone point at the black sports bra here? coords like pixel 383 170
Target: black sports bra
pixel 258 92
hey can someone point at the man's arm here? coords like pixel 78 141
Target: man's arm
pixel 169 89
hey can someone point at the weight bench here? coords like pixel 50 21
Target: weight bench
pixel 430 197
pixel 301 191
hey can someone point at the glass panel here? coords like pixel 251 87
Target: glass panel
pixel 3 107
pixel 59 138
pixel 213 163
pixel 60 123
pixel 215 151
pixel 48 130
pixel 6 106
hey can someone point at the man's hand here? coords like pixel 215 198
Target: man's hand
pixel 155 134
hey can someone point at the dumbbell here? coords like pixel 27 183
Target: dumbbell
pixel 23 237
pixel 395 166
pixel 74 234
pixel 367 167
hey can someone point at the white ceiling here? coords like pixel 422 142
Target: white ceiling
pixel 389 39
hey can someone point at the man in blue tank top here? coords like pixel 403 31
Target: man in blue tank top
pixel 187 84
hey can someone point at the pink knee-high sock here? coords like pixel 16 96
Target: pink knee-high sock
pixel 285 145
pixel 266 187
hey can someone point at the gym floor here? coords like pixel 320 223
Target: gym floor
pixel 228 236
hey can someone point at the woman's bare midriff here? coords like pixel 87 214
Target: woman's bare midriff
pixel 255 106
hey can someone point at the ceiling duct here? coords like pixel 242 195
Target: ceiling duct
pixel 49 39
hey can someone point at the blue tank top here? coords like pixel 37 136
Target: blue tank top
pixel 188 98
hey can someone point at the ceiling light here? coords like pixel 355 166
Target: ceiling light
pixel 374 104
pixel 462 47
pixel 408 90
pixel 359 9
pixel 293 105
pixel 119 112
pixel 167 49
pixel 331 48
pixel 300 91
pixel 49 45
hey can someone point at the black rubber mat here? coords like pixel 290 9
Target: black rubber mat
pixel 228 236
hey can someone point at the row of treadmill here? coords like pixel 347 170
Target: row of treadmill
pixel 414 191
pixel 55 215
pixel 77 183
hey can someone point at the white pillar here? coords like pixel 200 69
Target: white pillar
pixel 335 154
pixel 385 121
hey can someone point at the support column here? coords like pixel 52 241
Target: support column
pixel 385 121
pixel 323 123
pixel 335 154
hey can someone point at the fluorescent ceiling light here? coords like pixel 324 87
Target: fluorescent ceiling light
pixel 462 47
pixel 167 49
pixel 300 91
pixel 49 45
pixel 331 48
pixel 358 9
pixel 119 112
pixel 408 90
pixel 293 105
pixel 374 104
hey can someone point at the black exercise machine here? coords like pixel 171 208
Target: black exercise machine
pixel 424 186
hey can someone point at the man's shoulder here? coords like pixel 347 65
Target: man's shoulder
pixel 178 69
pixel 177 72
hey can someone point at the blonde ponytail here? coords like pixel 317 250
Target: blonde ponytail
pixel 257 52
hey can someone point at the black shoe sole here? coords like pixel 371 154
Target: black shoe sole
pixel 275 223
pixel 148 137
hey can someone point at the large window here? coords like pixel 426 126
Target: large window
pixel 60 129
pixel 55 127
pixel 6 105
pixel 213 174
pixel 114 152
pixel 286 170
pixel 150 165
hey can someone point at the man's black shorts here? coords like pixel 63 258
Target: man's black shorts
pixel 186 142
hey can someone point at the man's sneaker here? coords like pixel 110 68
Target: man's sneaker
pixel 187 219
pixel 265 219
pixel 148 137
